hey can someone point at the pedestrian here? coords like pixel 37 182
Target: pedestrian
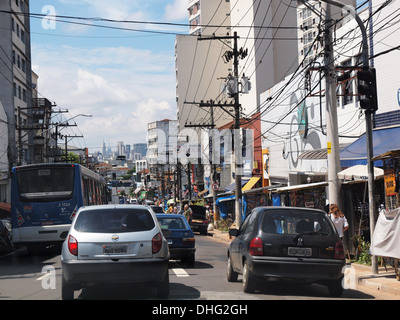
pixel 187 213
pixel 338 219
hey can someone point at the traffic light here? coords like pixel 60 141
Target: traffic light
pixel 367 88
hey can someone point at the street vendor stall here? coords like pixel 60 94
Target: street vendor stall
pixel 391 167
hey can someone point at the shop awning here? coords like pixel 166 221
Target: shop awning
pixel 384 140
pixel 202 192
pixel 252 182
pixel 302 186
pixel 232 186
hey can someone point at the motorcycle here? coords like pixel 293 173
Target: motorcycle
pixel 385 241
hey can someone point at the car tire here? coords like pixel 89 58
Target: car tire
pixel 335 288
pixel 163 287
pixel 190 260
pixel 249 282
pixel 67 291
pixel 231 275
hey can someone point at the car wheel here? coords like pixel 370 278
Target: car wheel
pixel 163 287
pixel 231 275
pixel 335 288
pixel 249 282
pixel 67 291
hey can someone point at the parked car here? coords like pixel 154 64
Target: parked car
pixel 180 237
pixel 199 221
pixel 156 209
pixel 287 243
pixel 113 244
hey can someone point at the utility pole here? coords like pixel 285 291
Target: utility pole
pixel 332 135
pixel 368 123
pixel 238 145
pixel 236 54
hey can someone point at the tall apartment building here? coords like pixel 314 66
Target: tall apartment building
pixel 121 148
pixel 15 83
pixel 200 69
pixel 267 29
pixel 310 26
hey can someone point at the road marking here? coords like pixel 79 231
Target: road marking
pixel 42 277
pixel 179 272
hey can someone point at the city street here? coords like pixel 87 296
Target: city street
pixel 24 277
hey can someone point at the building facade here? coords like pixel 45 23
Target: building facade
pixel 15 88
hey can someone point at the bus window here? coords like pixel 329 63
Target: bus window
pixel 47 184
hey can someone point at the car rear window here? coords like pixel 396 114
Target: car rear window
pixel 171 223
pixel 114 221
pixel 295 222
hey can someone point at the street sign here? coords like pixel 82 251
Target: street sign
pixel 215 186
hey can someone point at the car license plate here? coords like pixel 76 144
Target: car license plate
pixel 299 252
pixel 115 249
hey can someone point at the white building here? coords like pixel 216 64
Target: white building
pixel 309 21
pixel 201 70
pixel 294 122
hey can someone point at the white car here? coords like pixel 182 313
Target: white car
pixel 114 244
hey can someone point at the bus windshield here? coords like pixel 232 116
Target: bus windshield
pixel 45 183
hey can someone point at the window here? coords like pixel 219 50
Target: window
pixel 114 221
pixel 45 183
pixel 295 221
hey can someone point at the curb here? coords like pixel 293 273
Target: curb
pixel 385 281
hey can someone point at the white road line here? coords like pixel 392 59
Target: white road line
pixel 42 277
pixel 179 272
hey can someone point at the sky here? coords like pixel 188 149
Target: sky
pixel 124 79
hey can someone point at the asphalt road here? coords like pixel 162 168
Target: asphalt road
pixel 24 277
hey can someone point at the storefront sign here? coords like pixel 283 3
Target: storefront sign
pixel 390 182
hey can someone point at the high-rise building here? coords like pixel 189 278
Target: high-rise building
pixel 16 79
pixel 309 21
pixel 121 148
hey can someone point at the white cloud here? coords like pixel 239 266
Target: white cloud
pixel 123 88
pixel 177 10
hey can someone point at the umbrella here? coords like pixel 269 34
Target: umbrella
pixel 170 201
pixel 359 172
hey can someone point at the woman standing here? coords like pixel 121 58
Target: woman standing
pixel 338 219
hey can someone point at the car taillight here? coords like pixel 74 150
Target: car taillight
pixel 188 241
pixel 157 243
pixel 256 247
pixel 73 245
pixel 339 250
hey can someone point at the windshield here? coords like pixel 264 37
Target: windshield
pixel 295 222
pixel 114 221
pixel 46 183
pixel 171 223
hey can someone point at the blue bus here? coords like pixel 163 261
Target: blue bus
pixel 45 199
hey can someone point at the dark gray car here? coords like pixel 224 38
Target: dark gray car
pixel 114 244
pixel 287 243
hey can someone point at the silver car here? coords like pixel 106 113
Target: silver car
pixel 114 244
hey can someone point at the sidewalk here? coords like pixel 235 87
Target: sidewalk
pixel 357 275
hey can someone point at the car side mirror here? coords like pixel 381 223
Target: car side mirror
pixel 233 232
